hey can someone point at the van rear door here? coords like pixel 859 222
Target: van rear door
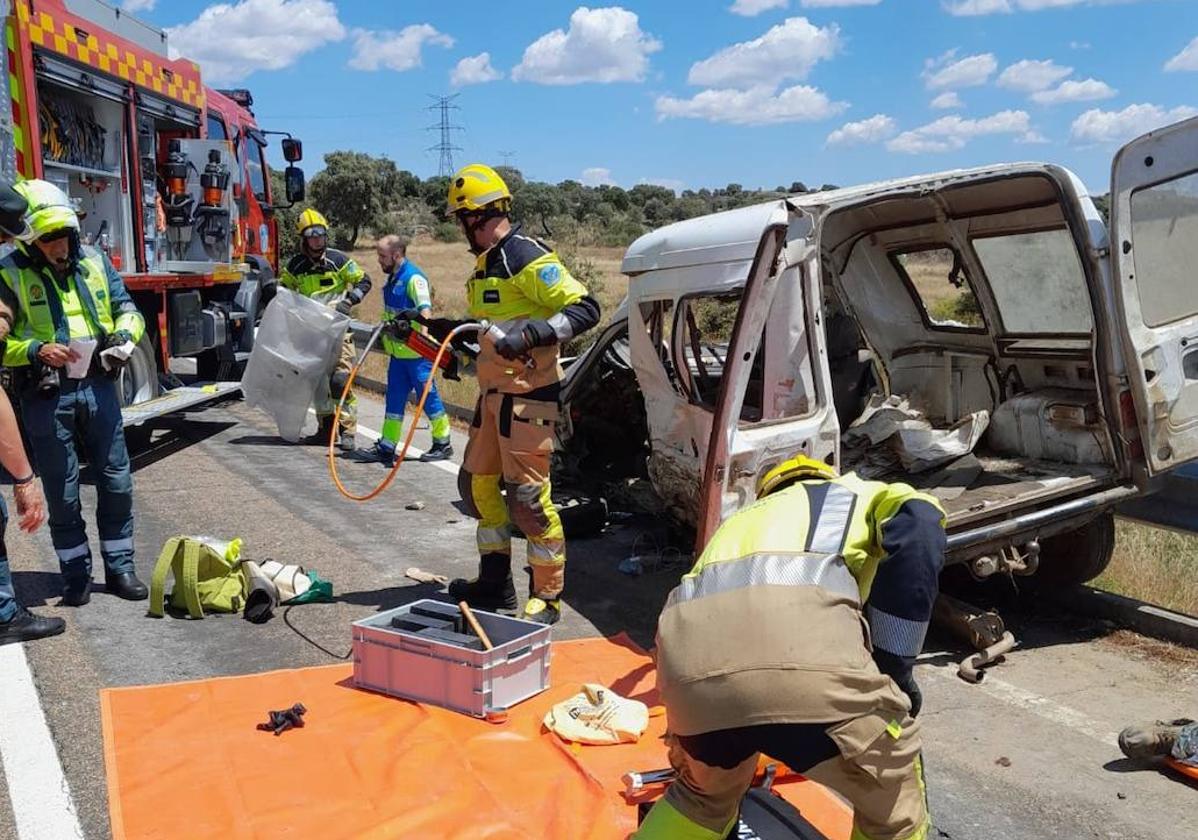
pixel 1154 246
pixel 773 398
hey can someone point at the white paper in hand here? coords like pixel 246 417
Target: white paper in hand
pixel 85 347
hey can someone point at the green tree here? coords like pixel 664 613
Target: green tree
pixel 354 191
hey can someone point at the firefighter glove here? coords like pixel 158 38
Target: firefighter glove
pixel 900 669
pixel 118 347
pixel 398 329
pixel 514 345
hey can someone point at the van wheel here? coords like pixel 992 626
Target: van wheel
pixel 1077 556
pixel 138 381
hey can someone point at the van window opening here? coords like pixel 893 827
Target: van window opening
pixel 1037 281
pixel 1164 229
pixel 704 325
pixel 940 284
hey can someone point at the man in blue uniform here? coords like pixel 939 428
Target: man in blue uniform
pixel 406 291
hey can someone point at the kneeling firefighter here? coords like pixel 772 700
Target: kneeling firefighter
pixel 763 648
pixel 336 280
pixel 533 303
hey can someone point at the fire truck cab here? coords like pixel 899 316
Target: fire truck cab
pixel 169 178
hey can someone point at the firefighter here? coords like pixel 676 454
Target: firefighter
pixel 533 303
pixel 762 648
pixel 59 291
pixel 334 279
pixel 17 624
pixel 406 291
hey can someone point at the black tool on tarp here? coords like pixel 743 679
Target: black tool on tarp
pixel 281 721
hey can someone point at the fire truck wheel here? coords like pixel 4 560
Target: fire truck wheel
pixel 138 381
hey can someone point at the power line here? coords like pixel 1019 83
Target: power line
pixel 507 158
pixel 445 147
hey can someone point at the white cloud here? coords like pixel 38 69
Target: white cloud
pixel 397 51
pixel 1072 90
pixel 1029 76
pixel 877 128
pixel 953 132
pixel 752 8
pixel 966 8
pixel 949 72
pixel 601 45
pixel 1079 45
pixel 1097 126
pixel 947 100
pixel 233 40
pixel 787 51
pixel 1187 59
pixel 756 106
pixel 837 4
pixel 474 70
pixel 596 175
pixel 138 5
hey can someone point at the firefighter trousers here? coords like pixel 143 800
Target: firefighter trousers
pixel 87 411
pixel 511 441
pixel 873 761
pixel 349 413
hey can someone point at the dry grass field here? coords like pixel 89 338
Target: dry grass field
pixel 1157 566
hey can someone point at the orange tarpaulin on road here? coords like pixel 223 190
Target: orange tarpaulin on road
pixel 185 760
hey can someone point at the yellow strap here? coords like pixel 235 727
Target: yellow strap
pixel 191 578
pixel 158 580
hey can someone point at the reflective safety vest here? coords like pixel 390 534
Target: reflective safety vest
pixel 407 288
pixel 519 279
pixel 768 626
pixel 325 281
pixel 92 303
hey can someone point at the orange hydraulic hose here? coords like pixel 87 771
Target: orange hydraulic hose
pixel 399 456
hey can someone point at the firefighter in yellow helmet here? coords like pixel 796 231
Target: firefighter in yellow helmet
pixel 64 294
pixel 333 278
pixel 762 649
pixel 533 303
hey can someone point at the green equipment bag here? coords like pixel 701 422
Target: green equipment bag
pixel 208 576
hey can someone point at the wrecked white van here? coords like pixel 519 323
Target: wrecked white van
pixel 975 333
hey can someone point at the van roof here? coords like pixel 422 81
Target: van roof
pixel 732 236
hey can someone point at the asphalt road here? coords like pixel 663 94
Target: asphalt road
pixel 1029 753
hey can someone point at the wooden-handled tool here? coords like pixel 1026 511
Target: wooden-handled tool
pixel 474 625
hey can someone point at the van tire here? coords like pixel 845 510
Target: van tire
pixel 1077 556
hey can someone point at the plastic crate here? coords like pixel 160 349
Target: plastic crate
pixel 406 664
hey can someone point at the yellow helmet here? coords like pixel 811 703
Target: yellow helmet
pixel 798 468
pixel 311 218
pixel 50 209
pixel 476 187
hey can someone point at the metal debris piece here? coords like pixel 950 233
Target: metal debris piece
pixel 414 506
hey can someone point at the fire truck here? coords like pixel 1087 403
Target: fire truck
pixel 170 181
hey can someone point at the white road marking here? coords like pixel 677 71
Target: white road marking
pixel 1043 707
pixel 41 799
pixel 449 466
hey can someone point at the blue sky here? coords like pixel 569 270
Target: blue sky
pixel 692 94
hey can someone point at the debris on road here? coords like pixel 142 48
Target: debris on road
pixel 285 719
pixel 414 506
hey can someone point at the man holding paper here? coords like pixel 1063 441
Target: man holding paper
pixel 73 327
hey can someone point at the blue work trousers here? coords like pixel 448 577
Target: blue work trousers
pixel 8 600
pixel 405 378
pixel 86 411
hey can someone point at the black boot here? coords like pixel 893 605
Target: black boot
pixel 493 589
pixel 441 450
pixel 320 437
pixel 76 593
pixel 25 627
pixel 127 586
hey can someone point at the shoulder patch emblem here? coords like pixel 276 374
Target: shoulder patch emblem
pixel 549 274
pixel 36 292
